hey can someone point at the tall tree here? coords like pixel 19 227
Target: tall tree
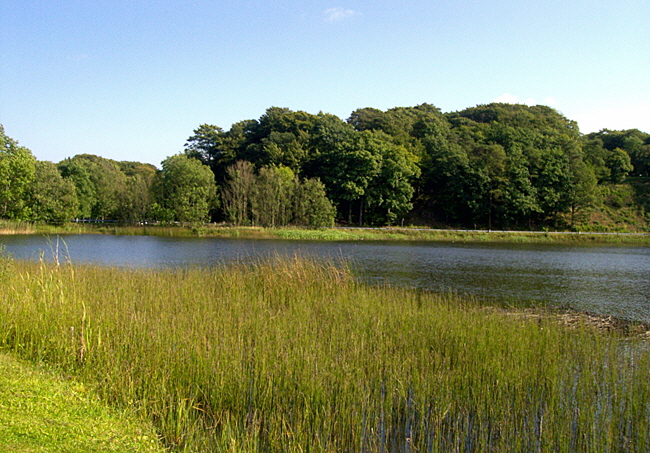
pixel 272 196
pixel 347 163
pixel 552 180
pixel 50 196
pixel 619 164
pixel 79 172
pixel 311 206
pixel 137 200
pixel 584 192
pixel 101 185
pixel 237 192
pixel 390 193
pixel 17 169
pixel 187 188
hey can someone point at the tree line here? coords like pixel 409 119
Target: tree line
pixel 491 166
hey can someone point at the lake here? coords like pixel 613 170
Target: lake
pixel 604 279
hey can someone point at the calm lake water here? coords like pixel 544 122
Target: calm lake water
pixel 605 279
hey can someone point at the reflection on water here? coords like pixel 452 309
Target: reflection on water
pixel 612 280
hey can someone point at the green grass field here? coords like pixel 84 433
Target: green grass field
pixel 41 412
pixel 296 356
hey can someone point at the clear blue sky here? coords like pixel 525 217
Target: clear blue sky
pixel 131 80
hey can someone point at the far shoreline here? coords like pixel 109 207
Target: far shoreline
pixel 339 233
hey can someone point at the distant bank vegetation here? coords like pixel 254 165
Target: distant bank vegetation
pixel 496 166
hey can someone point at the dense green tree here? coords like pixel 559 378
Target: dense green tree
pixel 369 119
pixel 488 165
pixel 101 185
pixel 186 189
pixel 50 196
pixel 110 187
pixel 17 169
pixel 552 180
pixel 136 202
pixel 311 206
pixel 499 165
pixel 595 156
pixel 272 196
pixel 79 172
pixel 619 164
pixel 519 200
pixel 214 147
pixel 634 142
pixel 347 164
pixel 583 192
pixel 390 192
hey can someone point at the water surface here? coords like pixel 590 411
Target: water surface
pixel 605 279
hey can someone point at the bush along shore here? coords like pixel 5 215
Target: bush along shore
pixel 293 355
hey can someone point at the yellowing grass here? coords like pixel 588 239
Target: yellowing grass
pixel 294 355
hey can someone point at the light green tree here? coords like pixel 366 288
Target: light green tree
pixel 50 197
pixel 584 191
pixel 17 169
pixel 101 185
pixel 619 164
pixel 79 173
pixel 272 196
pixel 311 207
pixel 237 192
pixel 187 188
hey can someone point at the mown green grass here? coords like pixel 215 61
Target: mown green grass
pixel 295 356
pixel 41 412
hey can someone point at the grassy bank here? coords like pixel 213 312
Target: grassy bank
pixel 42 412
pixel 291 355
pixel 333 234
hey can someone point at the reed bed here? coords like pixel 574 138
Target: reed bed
pixel 328 234
pixel 292 355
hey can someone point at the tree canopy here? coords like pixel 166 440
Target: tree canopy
pixel 494 165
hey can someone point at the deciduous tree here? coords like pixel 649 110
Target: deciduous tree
pixel 17 169
pixel 187 188
pixel 50 196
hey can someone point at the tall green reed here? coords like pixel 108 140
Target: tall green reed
pixel 295 355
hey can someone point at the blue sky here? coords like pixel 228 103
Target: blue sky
pixel 131 80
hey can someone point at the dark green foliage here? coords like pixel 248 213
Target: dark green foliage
pixel 495 165
pixel 500 166
pixel 634 142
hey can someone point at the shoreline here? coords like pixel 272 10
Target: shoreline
pixel 575 319
pixel 337 233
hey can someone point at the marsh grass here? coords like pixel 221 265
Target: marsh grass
pixel 328 234
pixel 368 234
pixel 13 227
pixel 293 355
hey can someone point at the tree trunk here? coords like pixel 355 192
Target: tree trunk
pixel 361 211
